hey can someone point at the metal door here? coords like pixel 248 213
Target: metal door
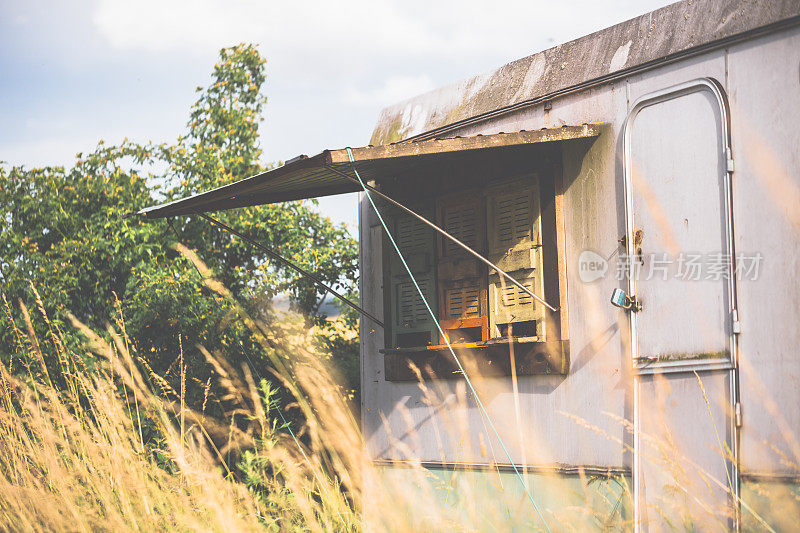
pixel 680 261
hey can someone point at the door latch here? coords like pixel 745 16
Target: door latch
pixel 620 298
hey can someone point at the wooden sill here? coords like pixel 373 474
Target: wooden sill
pixel 490 358
pixel 478 322
pixel 458 345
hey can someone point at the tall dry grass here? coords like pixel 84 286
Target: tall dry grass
pixel 73 457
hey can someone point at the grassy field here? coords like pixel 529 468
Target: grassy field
pixel 118 449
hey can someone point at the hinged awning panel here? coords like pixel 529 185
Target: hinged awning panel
pixel 321 175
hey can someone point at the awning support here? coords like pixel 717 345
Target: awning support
pixel 447 235
pixel 291 265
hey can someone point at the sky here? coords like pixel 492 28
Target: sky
pixel 73 73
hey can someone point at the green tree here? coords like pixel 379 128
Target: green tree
pixel 222 146
pixel 63 232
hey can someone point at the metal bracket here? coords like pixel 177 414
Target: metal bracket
pixel 737 414
pixel 729 161
pixel 736 325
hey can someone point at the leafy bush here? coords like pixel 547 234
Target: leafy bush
pixel 65 232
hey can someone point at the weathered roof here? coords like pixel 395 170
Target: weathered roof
pixel 329 172
pixel 664 35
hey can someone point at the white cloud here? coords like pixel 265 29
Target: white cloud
pixel 357 28
pixel 128 68
pixel 160 25
pixel 394 89
pixel 349 48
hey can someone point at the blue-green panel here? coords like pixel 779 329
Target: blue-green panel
pixel 770 504
pixel 486 500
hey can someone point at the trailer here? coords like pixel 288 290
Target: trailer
pixel 588 258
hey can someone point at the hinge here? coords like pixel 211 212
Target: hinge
pixel 737 326
pixel 729 160
pixel 737 414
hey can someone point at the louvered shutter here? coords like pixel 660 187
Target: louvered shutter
pixel 462 301
pixel 412 324
pixel 462 279
pixel 513 225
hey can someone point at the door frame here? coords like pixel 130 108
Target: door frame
pixel 729 364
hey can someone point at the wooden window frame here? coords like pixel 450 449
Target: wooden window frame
pixel 542 354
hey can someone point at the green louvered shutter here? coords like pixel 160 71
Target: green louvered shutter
pixel 412 325
pixel 462 278
pixel 514 243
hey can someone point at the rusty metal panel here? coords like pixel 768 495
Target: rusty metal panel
pixel 451 144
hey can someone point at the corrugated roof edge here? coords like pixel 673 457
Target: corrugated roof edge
pixel 471 142
pixel 233 188
pixel 252 190
pixel 652 39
